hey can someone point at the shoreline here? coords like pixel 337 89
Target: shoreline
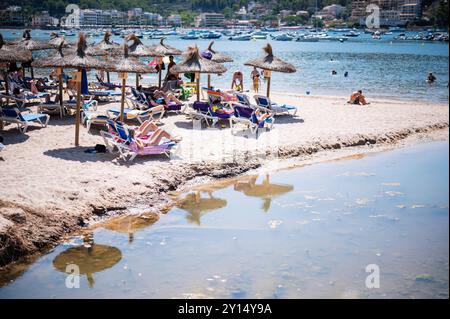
pixel 35 220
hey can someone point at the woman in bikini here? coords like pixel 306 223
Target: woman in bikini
pixel 149 134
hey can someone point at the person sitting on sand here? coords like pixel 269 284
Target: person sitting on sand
pixel 431 78
pixel 358 98
pixel 149 134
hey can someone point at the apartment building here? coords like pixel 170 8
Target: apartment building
pixel 392 12
pixel 12 16
pixel 210 20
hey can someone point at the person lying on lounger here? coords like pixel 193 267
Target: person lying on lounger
pixel 358 98
pixel 149 134
pixel 167 97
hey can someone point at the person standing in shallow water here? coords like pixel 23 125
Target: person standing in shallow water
pixel 431 78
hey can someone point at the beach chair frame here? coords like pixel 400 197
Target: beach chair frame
pixel 274 107
pixel 22 123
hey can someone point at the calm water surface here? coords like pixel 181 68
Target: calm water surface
pixel 384 68
pixel 302 233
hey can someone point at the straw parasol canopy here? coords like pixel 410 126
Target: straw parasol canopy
pixel 92 259
pixel 79 60
pixel 218 56
pixel 106 44
pixel 127 64
pixel 55 40
pixel 271 63
pixel 28 43
pixel 136 49
pixel 9 53
pixel 163 49
pixel 194 63
pixel 12 54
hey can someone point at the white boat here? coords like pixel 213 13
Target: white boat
pixel 283 37
pixel 259 35
pixel 189 36
pixel 240 37
pixel 306 38
pixel 376 35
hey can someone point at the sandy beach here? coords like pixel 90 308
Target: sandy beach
pixel 51 188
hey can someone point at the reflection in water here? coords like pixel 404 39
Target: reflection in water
pixel 265 190
pixel 90 258
pixel 129 224
pixel 196 206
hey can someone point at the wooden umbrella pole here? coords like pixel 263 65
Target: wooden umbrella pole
pixel 6 87
pixel 32 72
pixel 122 100
pixel 107 77
pixel 159 77
pixel 77 116
pixel 198 87
pixel 209 81
pixel 137 81
pixel 268 87
pixel 61 110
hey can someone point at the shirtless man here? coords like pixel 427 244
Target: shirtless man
pixel 358 98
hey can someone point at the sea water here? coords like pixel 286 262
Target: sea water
pixel 381 68
pixel 320 231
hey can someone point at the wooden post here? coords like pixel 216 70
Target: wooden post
pixel 6 87
pixel 107 77
pixel 32 72
pixel 209 81
pixel 268 87
pixel 159 76
pixel 137 81
pixel 77 116
pixel 61 106
pixel 198 87
pixel 122 100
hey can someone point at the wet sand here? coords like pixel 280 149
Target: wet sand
pixel 51 188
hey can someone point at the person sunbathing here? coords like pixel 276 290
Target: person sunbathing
pixel 166 97
pixel 358 98
pixel 149 134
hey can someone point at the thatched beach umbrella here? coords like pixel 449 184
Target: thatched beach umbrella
pixel 163 49
pixel 104 47
pixel 126 64
pixel 55 41
pixel 49 62
pixel 11 54
pixel 137 49
pixel 77 60
pixel 194 63
pixel 29 44
pixel 91 259
pixel 271 63
pixel 217 57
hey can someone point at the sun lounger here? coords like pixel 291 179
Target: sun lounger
pixel 245 116
pixel 119 138
pixel 278 109
pixel 23 120
pixel 21 101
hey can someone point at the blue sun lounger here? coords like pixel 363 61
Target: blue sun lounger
pixel 23 120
